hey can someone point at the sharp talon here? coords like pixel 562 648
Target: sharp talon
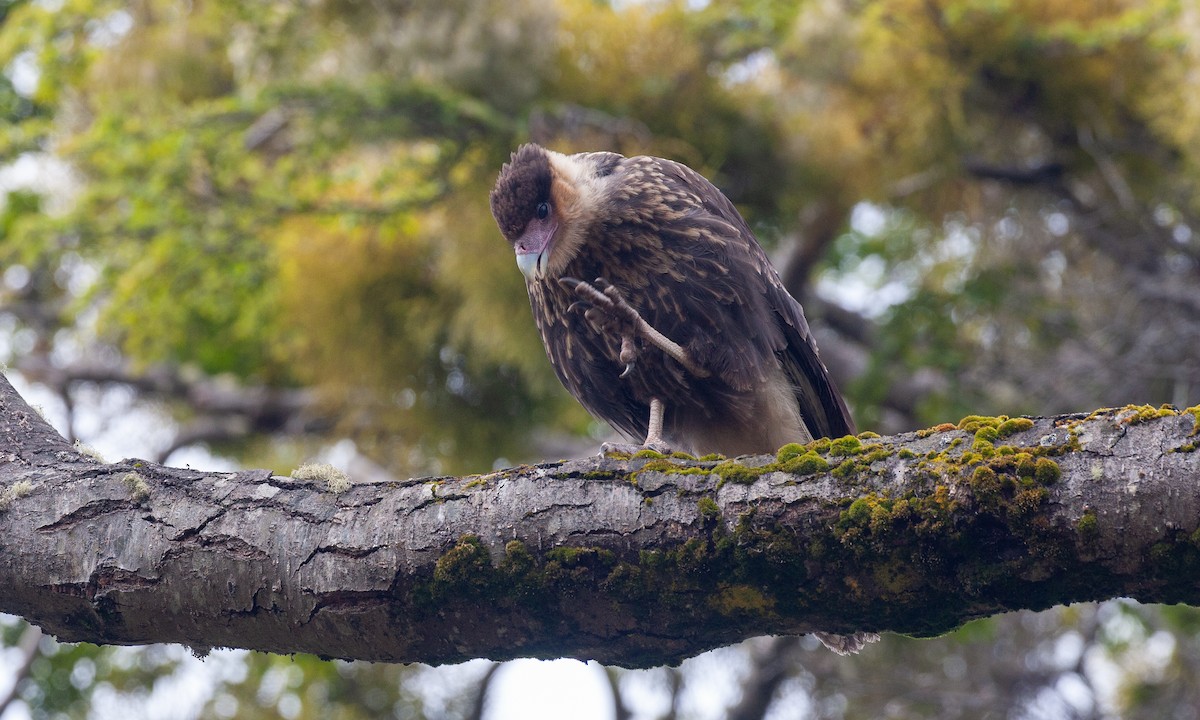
pixel 629 351
pixel 579 305
pixel 569 282
pixel 628 369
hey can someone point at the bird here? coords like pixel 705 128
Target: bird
pixel 659 310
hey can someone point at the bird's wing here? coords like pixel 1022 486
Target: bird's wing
pixel 744 316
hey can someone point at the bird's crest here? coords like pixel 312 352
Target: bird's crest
pixel 523 183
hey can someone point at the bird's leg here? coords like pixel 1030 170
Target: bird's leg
pixel 655 425
pixel 609 310
pixel 654 439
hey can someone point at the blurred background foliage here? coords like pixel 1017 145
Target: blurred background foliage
pixel 267 223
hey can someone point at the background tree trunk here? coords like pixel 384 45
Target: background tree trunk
pixel 630 561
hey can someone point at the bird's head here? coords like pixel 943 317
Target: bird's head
pixel 544 201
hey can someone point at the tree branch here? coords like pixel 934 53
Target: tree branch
pixel 631 561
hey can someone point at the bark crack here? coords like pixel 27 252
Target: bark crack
pixel 88 511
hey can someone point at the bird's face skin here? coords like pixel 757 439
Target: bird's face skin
pixel 533 245
pixel 543 202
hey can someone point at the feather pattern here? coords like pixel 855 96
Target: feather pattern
pixel 683 257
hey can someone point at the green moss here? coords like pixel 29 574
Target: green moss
pixel 661 465
pixel 789 451
pixel 1135 414
pixel 987 433
pixel 848 445
pixel 820 445
pixel 665 466
pixel 682 456
pixel 896 579
pixel 868 435
pixel 973 423
pixel 983 449
pixel 906 454
pixel 1046 471
pixel 984 477
pixel 1013 426
pixel 575 556
pixel 648 453
pixel 1028 501
pixel 1194 411
pixel 844 471
pixel 465 568
pixel 742 600
pixel 711 457
pixel 1184 448
pixel 517 558
pixel 1086 526
pixel 480 481
pixel 988 489
pixel 859 512
pixel 733 471
pixel 617 455
pixel 873 454
pixel 708 508
pixel 809 463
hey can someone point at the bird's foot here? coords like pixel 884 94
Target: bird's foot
pixel 654 435
pixel 604 305
pixel 605 308
pixel 623 448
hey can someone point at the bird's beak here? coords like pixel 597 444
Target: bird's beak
pixel 530 264
pixel 533 249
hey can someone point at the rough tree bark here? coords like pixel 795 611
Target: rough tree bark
pixel 630 561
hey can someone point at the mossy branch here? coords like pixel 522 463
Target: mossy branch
pixel 631 561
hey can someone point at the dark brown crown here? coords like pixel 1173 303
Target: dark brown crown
pixel 524 182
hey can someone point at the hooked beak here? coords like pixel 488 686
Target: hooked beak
pixel 531 264
pixel 533 248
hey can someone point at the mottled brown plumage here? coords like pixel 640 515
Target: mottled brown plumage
pixel 684 322
pixel 682 257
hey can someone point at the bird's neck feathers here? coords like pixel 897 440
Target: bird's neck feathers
pixel 580 195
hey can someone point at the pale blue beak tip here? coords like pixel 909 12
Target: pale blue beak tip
pixel 529 264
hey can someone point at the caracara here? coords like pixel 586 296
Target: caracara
pixel 660 311
pixel 680 331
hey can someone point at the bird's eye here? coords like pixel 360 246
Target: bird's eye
pixel 543 209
